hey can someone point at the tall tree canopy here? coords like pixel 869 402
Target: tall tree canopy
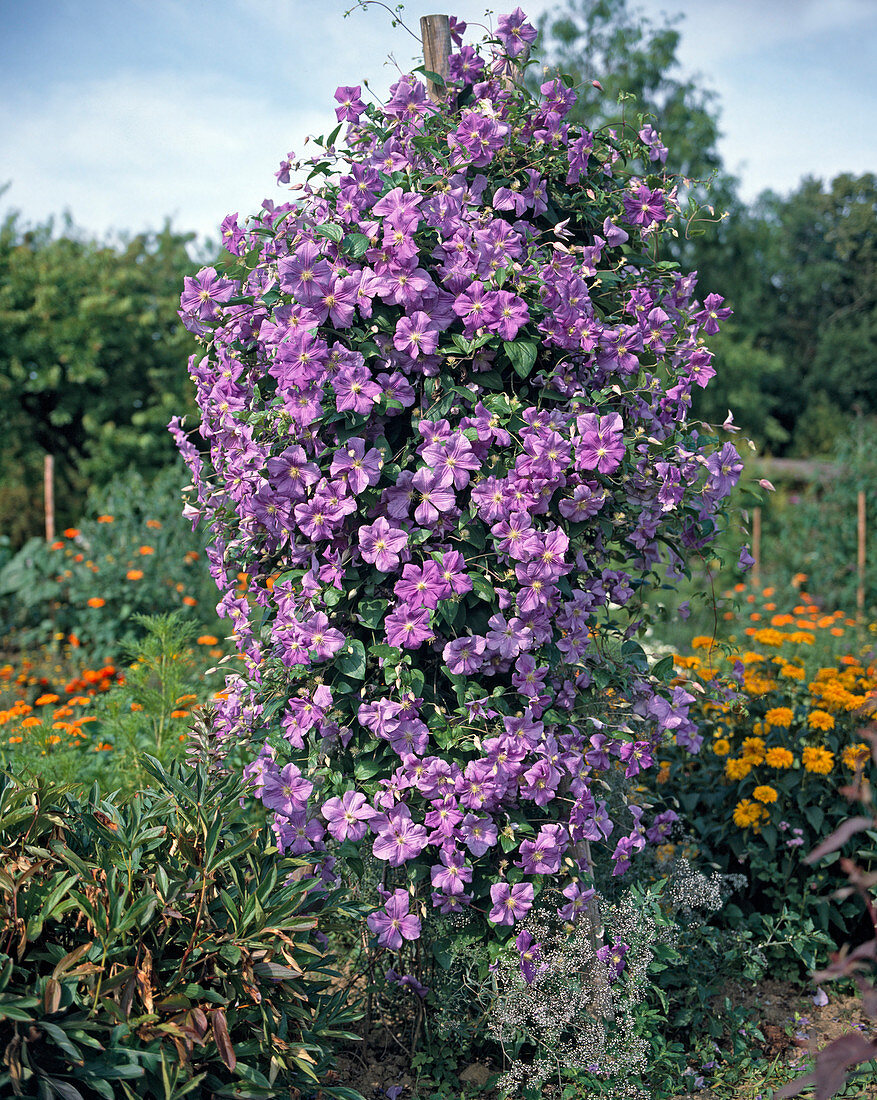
pixel 92 358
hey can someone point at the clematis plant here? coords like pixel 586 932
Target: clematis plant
pixel 444 407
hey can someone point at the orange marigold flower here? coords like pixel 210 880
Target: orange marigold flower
pixel 837 631
pixel 819 761
pixel 105 519
pixel 144 550
pixel 179 714
pixel 737 769
pixel 57 546
pixel 136 706
pixel 44 699
pixel 779 716
pixel 765 794
pixel 28 723
pixel 778 758
pixel 748 814
pixel 71 532
pixel 820 720
pixel 96 601
pixel 206 639
pixel 190 601
pixel 134 574
pixel 103 746
pixel 755 616
pixel 154 524
pixel 856 756
pixel 15 740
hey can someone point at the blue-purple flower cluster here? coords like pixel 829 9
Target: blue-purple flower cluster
pixel 445 400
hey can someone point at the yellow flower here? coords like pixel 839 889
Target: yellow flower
pixel 702 641
pixel 779 716
pixel 722 747
pixel 779 758
pixel 765 794
pixel 769 636
pixel 737 769
pixel 748 814
pixel 820 720
pixel 792 672
pixel 856 756
pixel 802 637
pixel 820 761
pixel 753 750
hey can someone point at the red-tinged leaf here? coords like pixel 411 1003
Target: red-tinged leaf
pixel 832 1064
pixel 839 837
pixel 52 996
pixel 844 962
pixel 223 1042
pixel 198 1021
pixel 71 959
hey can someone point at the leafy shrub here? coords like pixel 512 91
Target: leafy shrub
pixel 159 947
pixel 135 555
pixel 781 729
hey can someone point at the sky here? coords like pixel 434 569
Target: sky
pixel 127 112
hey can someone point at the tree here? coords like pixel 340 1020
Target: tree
pixel 800 271
pixel 638 73
pixel 92 355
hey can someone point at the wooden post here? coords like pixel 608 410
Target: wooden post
pixel 435 30
pixel 756 546
pixel 49 496
pixel 860 589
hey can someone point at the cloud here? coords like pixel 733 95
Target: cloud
pixel 125 152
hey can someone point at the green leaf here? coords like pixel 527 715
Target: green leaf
pixel 355 245
pixel 371 613
pixel 663 669
pixel 482 588
pixel 351 659
pixel 522 355
pixel 330 230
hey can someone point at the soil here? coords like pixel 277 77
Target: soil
pixel 793 1027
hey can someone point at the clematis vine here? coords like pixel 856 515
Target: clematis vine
pixel 444 434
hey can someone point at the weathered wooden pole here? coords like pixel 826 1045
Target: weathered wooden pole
pixel 860 589
pixel 756 546
pixel 49 496
pixel 435 31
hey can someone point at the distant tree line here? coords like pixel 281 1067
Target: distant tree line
pixel 93 356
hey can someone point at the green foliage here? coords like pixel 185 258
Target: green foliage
pixel 136 527
pixel 159 948
pixel 779 739
pixel 799 271
pixel 814 530
pixel 92 361
pixel 149 710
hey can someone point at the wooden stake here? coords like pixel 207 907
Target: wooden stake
pixel 435 30
pixel 860 590
pixel 756 546
pixel 49 496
